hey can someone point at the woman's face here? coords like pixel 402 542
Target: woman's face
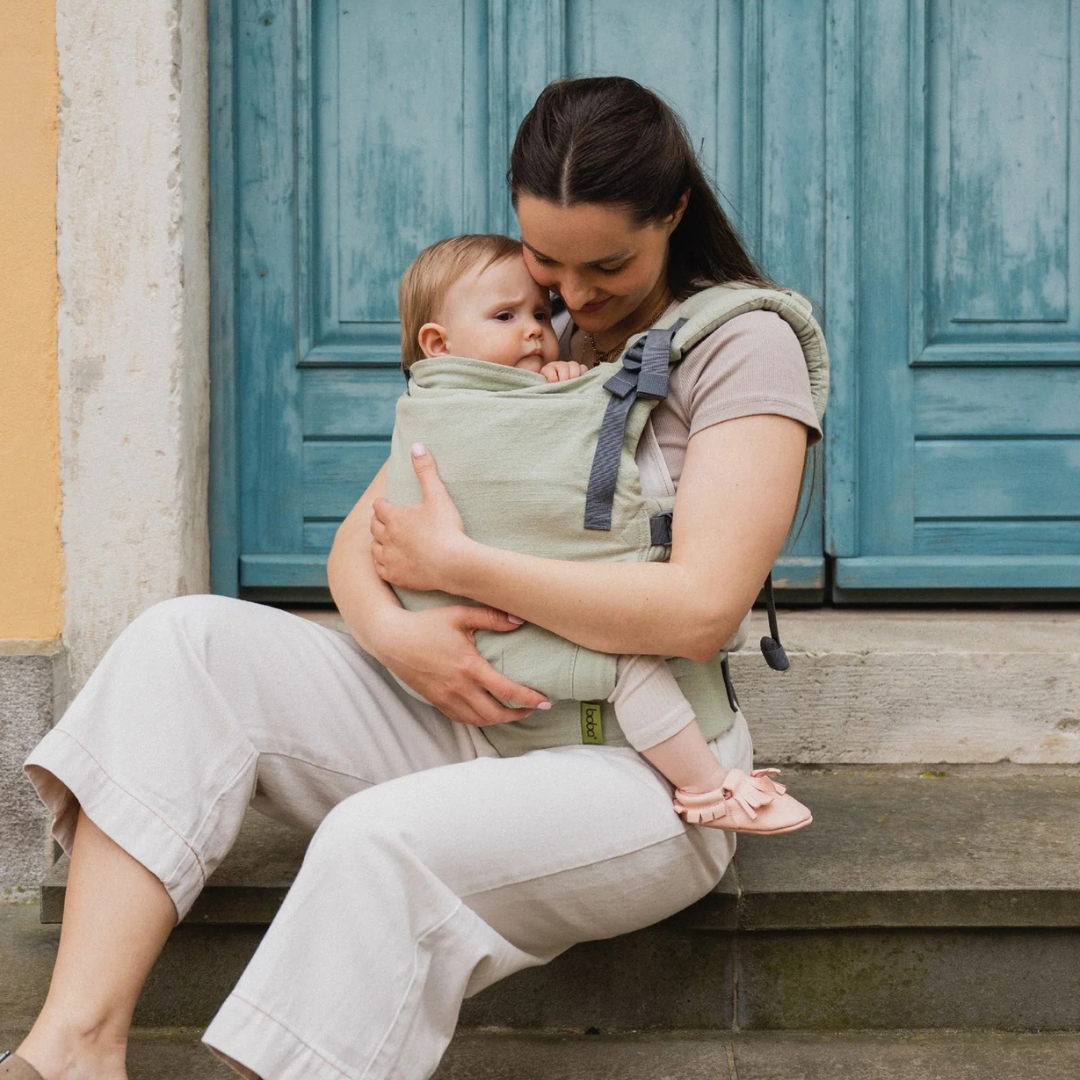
pixel 596 257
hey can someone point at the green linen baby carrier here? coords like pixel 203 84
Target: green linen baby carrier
pixel 549 469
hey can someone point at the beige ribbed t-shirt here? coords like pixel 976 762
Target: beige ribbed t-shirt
pixel 752 364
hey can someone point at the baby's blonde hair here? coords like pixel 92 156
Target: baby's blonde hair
pixel 424 285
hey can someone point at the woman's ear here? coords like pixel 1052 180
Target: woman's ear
pixel 432 340
pixel 680 208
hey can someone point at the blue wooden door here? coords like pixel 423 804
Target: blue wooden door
pixel 348 135
pixel 954 300
pixel 906 165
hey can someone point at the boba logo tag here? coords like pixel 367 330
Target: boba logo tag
pixel 592 730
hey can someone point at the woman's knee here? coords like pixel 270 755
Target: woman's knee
pixel 353 823
pixel 192 616
pixel 196 622
pixel 366 828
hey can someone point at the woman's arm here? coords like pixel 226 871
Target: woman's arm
pixel 432 651
pixel 736 500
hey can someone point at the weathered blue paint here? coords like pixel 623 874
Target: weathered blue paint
pixel 224 477
pixel 365 130
pixel 955 435
pixel 841 274
pixel 967 572
pixel 905 165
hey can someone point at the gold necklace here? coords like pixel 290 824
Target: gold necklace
pixel 607 355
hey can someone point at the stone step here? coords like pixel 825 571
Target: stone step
pixel 923 1055
pixel 967 846
pixel 920 897
pixel 902 685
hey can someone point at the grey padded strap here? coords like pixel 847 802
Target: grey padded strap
pixel 644 373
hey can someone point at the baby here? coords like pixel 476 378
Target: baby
pixel 472 296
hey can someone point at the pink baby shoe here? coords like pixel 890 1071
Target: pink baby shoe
pixel 748 804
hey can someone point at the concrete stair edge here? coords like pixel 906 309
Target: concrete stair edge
pixel 890 848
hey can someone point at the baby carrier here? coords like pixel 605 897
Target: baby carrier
pixel 549 469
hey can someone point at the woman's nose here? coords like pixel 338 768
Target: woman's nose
pixel 576 294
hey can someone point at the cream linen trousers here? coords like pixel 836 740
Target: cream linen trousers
pixel 436 867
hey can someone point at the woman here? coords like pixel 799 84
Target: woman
pixel 437 867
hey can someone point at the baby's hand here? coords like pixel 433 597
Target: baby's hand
pixel 563 370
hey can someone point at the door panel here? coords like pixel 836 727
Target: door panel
pixel 365 130
pixel 967 242
pixel 907 166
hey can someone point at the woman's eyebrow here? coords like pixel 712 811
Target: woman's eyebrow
pixel 595 262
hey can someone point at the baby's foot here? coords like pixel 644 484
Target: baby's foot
pixel 706 782
pixel 742 803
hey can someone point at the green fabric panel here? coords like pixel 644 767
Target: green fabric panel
pixel 711 308
pixel 702 685
pixel 515 453
pixel 530 499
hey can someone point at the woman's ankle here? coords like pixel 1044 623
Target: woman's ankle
pixel 70 1051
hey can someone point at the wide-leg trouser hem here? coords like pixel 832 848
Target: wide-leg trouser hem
pixel 204 705
pixel 422 891
pixel 265 1045
pixel 66 776
pixel 417 1015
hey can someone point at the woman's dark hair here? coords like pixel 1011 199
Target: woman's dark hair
pixel 611 141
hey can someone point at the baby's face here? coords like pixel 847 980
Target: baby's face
pixel 498 314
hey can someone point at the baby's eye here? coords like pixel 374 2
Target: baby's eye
pixel 504 316
pixel 542 316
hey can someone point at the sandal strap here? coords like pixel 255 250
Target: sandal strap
pixel 13 1067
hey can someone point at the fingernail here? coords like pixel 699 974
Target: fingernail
pixel 418 449
pixel 514 619
pixel 544 705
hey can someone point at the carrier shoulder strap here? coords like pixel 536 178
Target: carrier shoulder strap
pixel 644 373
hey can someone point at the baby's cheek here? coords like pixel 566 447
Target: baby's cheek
pixel 550 347
pixel 531 363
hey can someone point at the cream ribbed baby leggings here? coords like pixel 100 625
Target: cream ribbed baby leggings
pixel 436 867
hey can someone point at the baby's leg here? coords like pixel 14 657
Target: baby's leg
pixel 686 760
pixel 659 723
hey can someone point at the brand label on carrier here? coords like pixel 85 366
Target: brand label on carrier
pixel 592 730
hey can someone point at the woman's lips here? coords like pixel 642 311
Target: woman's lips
pixel 596 305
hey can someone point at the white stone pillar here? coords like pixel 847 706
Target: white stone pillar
pixel 132 209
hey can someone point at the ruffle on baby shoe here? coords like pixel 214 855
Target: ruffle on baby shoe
pixel 752 803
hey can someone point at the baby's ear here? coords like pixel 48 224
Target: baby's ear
pixel 432 340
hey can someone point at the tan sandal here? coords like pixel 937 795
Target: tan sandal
pixel 13 1067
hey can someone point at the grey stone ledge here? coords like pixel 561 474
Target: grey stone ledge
pixel 900 685
pixel 890 847
pixel 164 1053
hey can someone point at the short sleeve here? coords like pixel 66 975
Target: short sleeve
pixel 752 364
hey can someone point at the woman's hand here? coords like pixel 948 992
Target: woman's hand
pixel 415 546
pixel 434 652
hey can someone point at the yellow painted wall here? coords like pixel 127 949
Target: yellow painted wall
pixel 31 560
